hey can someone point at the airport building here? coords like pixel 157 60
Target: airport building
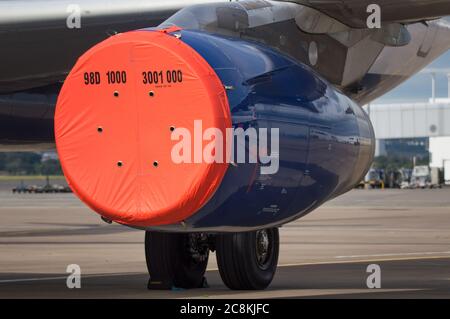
pixel 419 126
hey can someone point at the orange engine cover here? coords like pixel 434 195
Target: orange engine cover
pixel 113 124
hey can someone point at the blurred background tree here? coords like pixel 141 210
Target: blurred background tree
pixel 392 163
pixel 26 163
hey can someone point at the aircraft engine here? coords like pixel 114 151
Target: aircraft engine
pixel 186 130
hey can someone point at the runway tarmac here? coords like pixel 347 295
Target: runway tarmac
pixel 326 254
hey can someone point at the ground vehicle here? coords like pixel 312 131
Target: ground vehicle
pixel 421 177
pixel 447 172
pixel 21 188
pixel 374 178
pixel 398 178
pixel 39 189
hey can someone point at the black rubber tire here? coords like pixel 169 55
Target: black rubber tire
pixel 169 262
pixel 237 261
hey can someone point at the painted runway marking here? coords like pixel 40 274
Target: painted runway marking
pixel 300 293
pixel 358 261
pixel 31 279
pixel 64 277
pixel 396 254
pixel 355 261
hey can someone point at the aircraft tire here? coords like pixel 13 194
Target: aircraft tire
pixel 248 261
pixel 171 262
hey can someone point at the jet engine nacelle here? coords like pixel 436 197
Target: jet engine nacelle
pixel 183 130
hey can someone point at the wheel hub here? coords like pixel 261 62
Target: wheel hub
pixel 262 248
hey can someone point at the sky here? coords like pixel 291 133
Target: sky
pixel 418 88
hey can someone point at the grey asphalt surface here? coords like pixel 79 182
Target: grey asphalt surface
pixel 324 255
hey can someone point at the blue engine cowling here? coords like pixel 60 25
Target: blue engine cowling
pixel 326 141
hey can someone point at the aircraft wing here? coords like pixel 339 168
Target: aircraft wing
pixel 40 40
pixel 38 47
pixel 354 12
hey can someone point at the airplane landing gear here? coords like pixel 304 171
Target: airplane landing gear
pixel 176 260
pixel 248 261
